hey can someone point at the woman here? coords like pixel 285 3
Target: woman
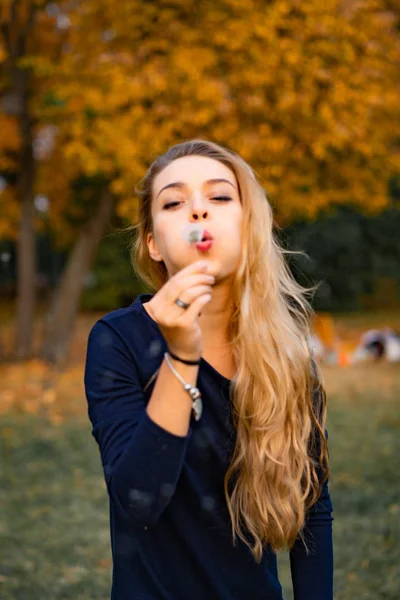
pixel 205 400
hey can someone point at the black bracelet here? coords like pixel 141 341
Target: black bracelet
pixel 187 362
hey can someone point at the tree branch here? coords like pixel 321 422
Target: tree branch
pixel 8 27
pixel 6 35
pixel 26 30
pixel 14 9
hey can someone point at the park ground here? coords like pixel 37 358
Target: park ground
pixel 54 531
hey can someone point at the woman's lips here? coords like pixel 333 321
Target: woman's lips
pixel 204 246
pixel 207 235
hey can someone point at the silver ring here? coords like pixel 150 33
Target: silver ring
pixel 182 304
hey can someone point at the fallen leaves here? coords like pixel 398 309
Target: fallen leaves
pixel 57 392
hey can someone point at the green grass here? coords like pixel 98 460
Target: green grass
pixel 364 447
pixel 54 537
pixel 54 531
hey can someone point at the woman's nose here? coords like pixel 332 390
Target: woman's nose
pixel 199 209
pixel 198 214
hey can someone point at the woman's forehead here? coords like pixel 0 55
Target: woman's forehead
pixel 193 171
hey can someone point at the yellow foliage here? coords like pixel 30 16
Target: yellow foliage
pixel 9 214
pixel 10 138
pixel 307 92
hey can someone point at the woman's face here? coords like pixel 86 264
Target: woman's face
pixel 203 191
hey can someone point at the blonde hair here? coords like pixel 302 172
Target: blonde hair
pixel 280 460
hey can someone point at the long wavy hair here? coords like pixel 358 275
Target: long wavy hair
pixel 280 460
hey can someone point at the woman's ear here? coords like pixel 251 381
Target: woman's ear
pixel 153 248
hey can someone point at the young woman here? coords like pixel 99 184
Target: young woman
pixel 205 401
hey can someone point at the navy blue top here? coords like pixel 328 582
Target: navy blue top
pixel 170 526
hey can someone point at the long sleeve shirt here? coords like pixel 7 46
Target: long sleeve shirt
pixel 170 527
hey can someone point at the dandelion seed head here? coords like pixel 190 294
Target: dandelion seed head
pixel 192 233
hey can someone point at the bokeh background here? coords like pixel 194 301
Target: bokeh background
pixel 90 93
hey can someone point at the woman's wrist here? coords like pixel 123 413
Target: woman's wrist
pixel 186 359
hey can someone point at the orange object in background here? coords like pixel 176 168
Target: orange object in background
pixel 343 359
pixel 324 327
pixel 345 349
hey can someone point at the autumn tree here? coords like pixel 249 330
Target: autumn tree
pixel 34 39
pixel 30 39
pixel 306 92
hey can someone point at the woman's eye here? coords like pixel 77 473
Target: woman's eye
pixel 219 198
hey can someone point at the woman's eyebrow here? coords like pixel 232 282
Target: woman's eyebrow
pixel 181 184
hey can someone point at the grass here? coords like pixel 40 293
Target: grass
pixel 54 528
pixel 54 537
pixel 364 446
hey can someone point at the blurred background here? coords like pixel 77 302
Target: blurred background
pixel 90 93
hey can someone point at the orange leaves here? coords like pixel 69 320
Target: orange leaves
pixel 9 141
pixel 307 92
pixel 9 214
pixel 58 393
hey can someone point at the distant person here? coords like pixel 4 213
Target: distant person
pixel 378 344
pixel 205 401
pixel 374 342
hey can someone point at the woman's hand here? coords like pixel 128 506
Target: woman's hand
pixel 180 327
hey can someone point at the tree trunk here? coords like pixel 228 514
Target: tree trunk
pixel 61 317
pixel 16 28
pixel 26 271
pixel 26 246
